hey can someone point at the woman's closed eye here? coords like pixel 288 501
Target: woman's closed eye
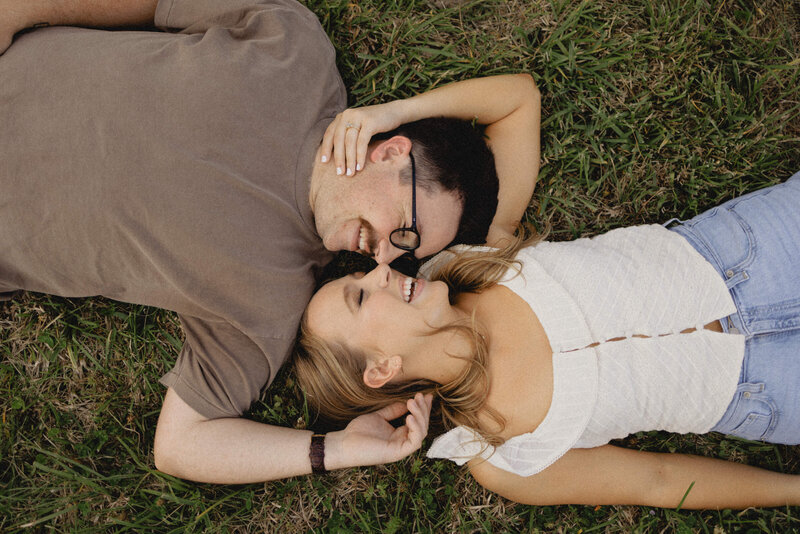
pixel 353 295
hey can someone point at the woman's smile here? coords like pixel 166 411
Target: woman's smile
pixel 412 288
pixel 382 309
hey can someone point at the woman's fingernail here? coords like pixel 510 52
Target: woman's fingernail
pixel 349 172
pixel 324 159
pixel 358 167
pixel 338 170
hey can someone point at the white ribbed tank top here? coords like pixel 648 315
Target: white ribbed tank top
pixel 642 280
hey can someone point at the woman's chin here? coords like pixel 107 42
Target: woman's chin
pixel 436 297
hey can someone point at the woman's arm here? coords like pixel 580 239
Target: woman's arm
pixel 613 475
pixel 510 106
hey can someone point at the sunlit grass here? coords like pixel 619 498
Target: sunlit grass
pixel 651 110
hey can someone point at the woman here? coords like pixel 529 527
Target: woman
pixel 541 355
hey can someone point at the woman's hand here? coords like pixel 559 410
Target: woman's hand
pixel 348 136
pixel 371 440
pixel 508 105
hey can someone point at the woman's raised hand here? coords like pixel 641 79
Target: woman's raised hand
pixel 371 440
pixel 347 137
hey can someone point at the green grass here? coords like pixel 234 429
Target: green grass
pixel 650 110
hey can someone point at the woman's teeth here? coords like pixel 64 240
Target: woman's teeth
pixel 362 240
pixel 408 289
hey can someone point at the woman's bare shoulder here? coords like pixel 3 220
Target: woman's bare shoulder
pixel 520 360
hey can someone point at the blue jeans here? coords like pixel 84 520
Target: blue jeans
pixel 754 243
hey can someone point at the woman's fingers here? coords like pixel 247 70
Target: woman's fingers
pixel 346 140
pixel 423 405
pixel 333 144
pixel 339 136
pixel 327 142
pixel 393 411
pixel 351 135
pixel 417 420
pixel 341 143
pixel 362 145
pixel 355 135
pixel 414 434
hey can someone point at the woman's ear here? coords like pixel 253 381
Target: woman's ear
pixel 381 370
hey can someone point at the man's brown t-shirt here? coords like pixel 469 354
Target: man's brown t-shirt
pixel 172 169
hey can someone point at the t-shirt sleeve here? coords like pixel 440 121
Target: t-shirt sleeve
pixel 197 16
pixel 220 371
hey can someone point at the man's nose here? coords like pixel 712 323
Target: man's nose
pixel 386 252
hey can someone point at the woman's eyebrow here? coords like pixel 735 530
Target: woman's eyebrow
pixel 347 294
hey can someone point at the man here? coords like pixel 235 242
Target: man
pixel 184 171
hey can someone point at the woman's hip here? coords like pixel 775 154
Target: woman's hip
pixel 766 405
pixel 754 243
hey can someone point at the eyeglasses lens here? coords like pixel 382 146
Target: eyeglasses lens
pixel 405 239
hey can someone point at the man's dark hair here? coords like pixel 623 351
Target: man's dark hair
pixel 453 154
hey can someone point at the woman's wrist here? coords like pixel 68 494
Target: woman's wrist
pixel 405 110
pixel 333 451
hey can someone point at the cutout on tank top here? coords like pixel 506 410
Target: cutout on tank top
pixel 714 326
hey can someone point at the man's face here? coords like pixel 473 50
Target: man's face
pixel 358 213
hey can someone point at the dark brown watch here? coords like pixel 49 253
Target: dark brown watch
pixel 317 454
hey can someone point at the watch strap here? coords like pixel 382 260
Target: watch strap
pixel 317 454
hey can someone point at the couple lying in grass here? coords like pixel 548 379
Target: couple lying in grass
pixel 220 209
pixel 534 356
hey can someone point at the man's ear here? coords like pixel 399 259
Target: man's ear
pixel 397 146
pixel 382 370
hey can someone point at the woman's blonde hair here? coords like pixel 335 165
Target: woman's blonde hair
pixel 332 375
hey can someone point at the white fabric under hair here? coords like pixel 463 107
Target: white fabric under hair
pixel 643 281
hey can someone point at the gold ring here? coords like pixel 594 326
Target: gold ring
pixel 351 125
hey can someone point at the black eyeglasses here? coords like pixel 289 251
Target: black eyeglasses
pixel 408 238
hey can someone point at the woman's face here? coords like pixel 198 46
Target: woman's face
pixel 381 311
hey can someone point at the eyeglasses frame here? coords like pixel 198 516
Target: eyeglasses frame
pixel 413 227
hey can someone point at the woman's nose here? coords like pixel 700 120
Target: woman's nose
pixel 381 275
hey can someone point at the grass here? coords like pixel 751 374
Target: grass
pixel 650 110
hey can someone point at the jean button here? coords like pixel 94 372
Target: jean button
pixel 746 395
pixel 729 273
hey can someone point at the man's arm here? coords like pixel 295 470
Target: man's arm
pixel 17 15
pixel 237 451
pixel 613 475
pixel 509 105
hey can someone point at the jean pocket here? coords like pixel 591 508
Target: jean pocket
pixel 756 416
pixel 755 427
